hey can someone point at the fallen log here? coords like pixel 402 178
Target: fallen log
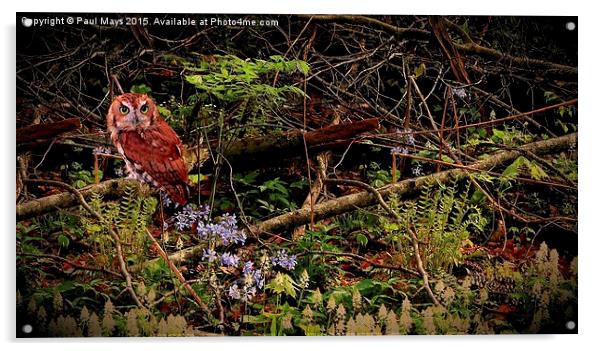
pixel 40 134
pixel 406 188
pixel 256 152
pixel 252 151
pixel 51 203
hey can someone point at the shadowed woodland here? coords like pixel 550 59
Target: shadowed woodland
pixel 350 175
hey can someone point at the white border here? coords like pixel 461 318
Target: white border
pixel 590 247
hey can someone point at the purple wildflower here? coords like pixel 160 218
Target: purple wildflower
pixel 285 261
pixel 409 136
pixel 248 267
pixel 185 218
pixel 229 259
pixel 226 230
pixel 209 255
pixel 417 171
pixel 259 278
pixel 399 150
pixel 459 92
pixel 165 199
pixel 234 292
pixel 101 150
pixel 189 216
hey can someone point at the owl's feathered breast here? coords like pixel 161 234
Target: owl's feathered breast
pixel 154 154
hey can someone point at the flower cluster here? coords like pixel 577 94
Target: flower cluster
pixel 189 216
pixel 285 261
pixel 399 150
pixel 245 293
pixel 229 260
pixel 459 92
pixel 234 292
pixel 101 150
pixel 258 278
pixel 226 230
pixel 247 267
pixel 252 276
pixel 252 280
pixel 409 137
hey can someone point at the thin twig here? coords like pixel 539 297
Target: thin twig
pixel 425 277
pixel 178 274
pixel 490 122
pixel 362 258
pixel 99 217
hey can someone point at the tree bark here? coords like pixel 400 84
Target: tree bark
pixel 257 152
pixel 40 134
pixel 51 203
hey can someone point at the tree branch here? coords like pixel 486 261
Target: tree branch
pixel 406 188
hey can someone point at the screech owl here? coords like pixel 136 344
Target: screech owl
pixel 151 149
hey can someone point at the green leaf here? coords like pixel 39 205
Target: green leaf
pixel 94 228
pixel 362 239
pixel 390 227
pixel 500 134
pixel 477 197
pixel 365 285
pixel 196 178
pixel 282 283
pixel 249 178
pixel 418 71
pixel 65 286
pixel 274 326
pixel 537 172
pixel 163 111
pixel 303 67
pixel 255 319
pixel 63 240
pixel 311 330
pixel 447 159
pixel 300 184
pixel 141 89
pixel 196 80
pixel 513 169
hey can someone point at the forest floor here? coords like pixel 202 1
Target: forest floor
pixel 350 175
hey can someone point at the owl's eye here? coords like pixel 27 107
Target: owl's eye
pixel 144 108
pixel 124 109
